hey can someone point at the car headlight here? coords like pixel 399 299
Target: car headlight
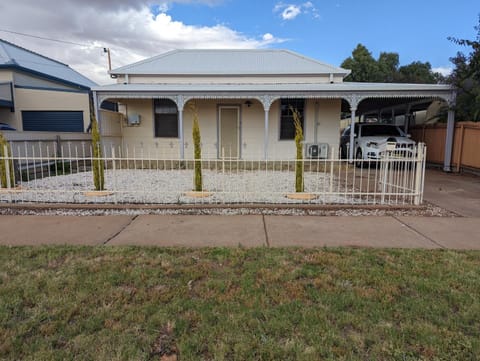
pixel 372 145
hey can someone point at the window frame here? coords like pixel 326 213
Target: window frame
pixel 155 114
pixel 302 113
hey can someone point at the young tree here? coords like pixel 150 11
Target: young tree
pixel 98 172
pixel 297 121
pixel 197 150
pixel 466 78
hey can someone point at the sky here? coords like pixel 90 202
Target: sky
pixel 326 30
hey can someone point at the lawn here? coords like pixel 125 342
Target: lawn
pixel 66 303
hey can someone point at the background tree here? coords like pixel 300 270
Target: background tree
pixel 466 78
pixel 362 64
pixel 387 69
pixel 418 73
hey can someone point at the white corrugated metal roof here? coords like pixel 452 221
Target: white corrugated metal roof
pixel 13 55
pixel 230 62
pixel 282 87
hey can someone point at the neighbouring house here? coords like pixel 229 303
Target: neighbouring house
pixel 243 99
pixel 40 94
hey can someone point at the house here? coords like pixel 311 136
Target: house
pixel 41 94
pixel 244 100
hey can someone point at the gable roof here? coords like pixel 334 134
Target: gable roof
pixel 230 62
pixel 14 56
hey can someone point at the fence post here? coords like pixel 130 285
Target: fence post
pixel 114 176
pixel 419 173
pixel 7 167
pixel 385 164
pixel 460 147
pixel 330 188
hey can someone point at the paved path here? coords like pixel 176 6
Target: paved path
pixel 460 194
pixel 247 231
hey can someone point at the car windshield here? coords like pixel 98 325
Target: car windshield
pixel 378 129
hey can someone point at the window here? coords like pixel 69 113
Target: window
pixel 287 127
pixel 53 121
pixel 166 118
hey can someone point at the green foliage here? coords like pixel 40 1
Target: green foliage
pixel 60 167
pixel 98 171
pixel 197 150
pixel 386 69
pixel 297 121
pixel 3 163
pixel 466 78
pixel 417 72
pixel 362 64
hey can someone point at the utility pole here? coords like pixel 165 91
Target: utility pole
pixel 107 50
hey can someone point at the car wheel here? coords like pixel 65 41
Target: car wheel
pixel 359 159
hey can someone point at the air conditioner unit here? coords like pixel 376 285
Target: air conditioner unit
pixel 133 119
pixel 316 150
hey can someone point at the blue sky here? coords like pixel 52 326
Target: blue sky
pixel 327 30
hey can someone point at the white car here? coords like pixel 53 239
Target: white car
pixel 371 140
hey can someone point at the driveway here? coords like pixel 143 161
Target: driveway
pixel 459 193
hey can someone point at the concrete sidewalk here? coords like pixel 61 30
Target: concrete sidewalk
pixel 247 231
pixel 457 193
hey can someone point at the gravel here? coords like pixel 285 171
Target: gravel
pixel 169 187
pixel 166 189
pixel 427 210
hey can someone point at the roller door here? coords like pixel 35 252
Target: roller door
pixel 53 121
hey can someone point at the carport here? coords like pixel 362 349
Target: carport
pixel 386 101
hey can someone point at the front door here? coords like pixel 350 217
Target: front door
pixel 228 131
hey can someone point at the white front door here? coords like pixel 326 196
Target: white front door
pixel 229 131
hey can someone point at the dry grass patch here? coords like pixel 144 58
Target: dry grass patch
pixel 65 303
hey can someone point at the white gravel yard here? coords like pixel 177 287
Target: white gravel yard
pixel 169 187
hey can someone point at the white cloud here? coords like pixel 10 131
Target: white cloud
pixel 292 11
pixel 131 32
pixel 268 37
pixel 444 70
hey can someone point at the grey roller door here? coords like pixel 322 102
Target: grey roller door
pixel 53 121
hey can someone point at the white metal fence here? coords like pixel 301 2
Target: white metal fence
pixel 66 177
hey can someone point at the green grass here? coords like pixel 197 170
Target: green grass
pixel 65 303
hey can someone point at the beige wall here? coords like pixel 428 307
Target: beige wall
pixel 6 75
pixel 38 100
pixel 6 116
pixel 141 137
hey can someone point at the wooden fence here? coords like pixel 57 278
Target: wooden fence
pixel 466 146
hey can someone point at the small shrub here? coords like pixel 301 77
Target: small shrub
pixel 60 167
pixel 3 163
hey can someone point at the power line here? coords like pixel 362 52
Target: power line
pixel 51 39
